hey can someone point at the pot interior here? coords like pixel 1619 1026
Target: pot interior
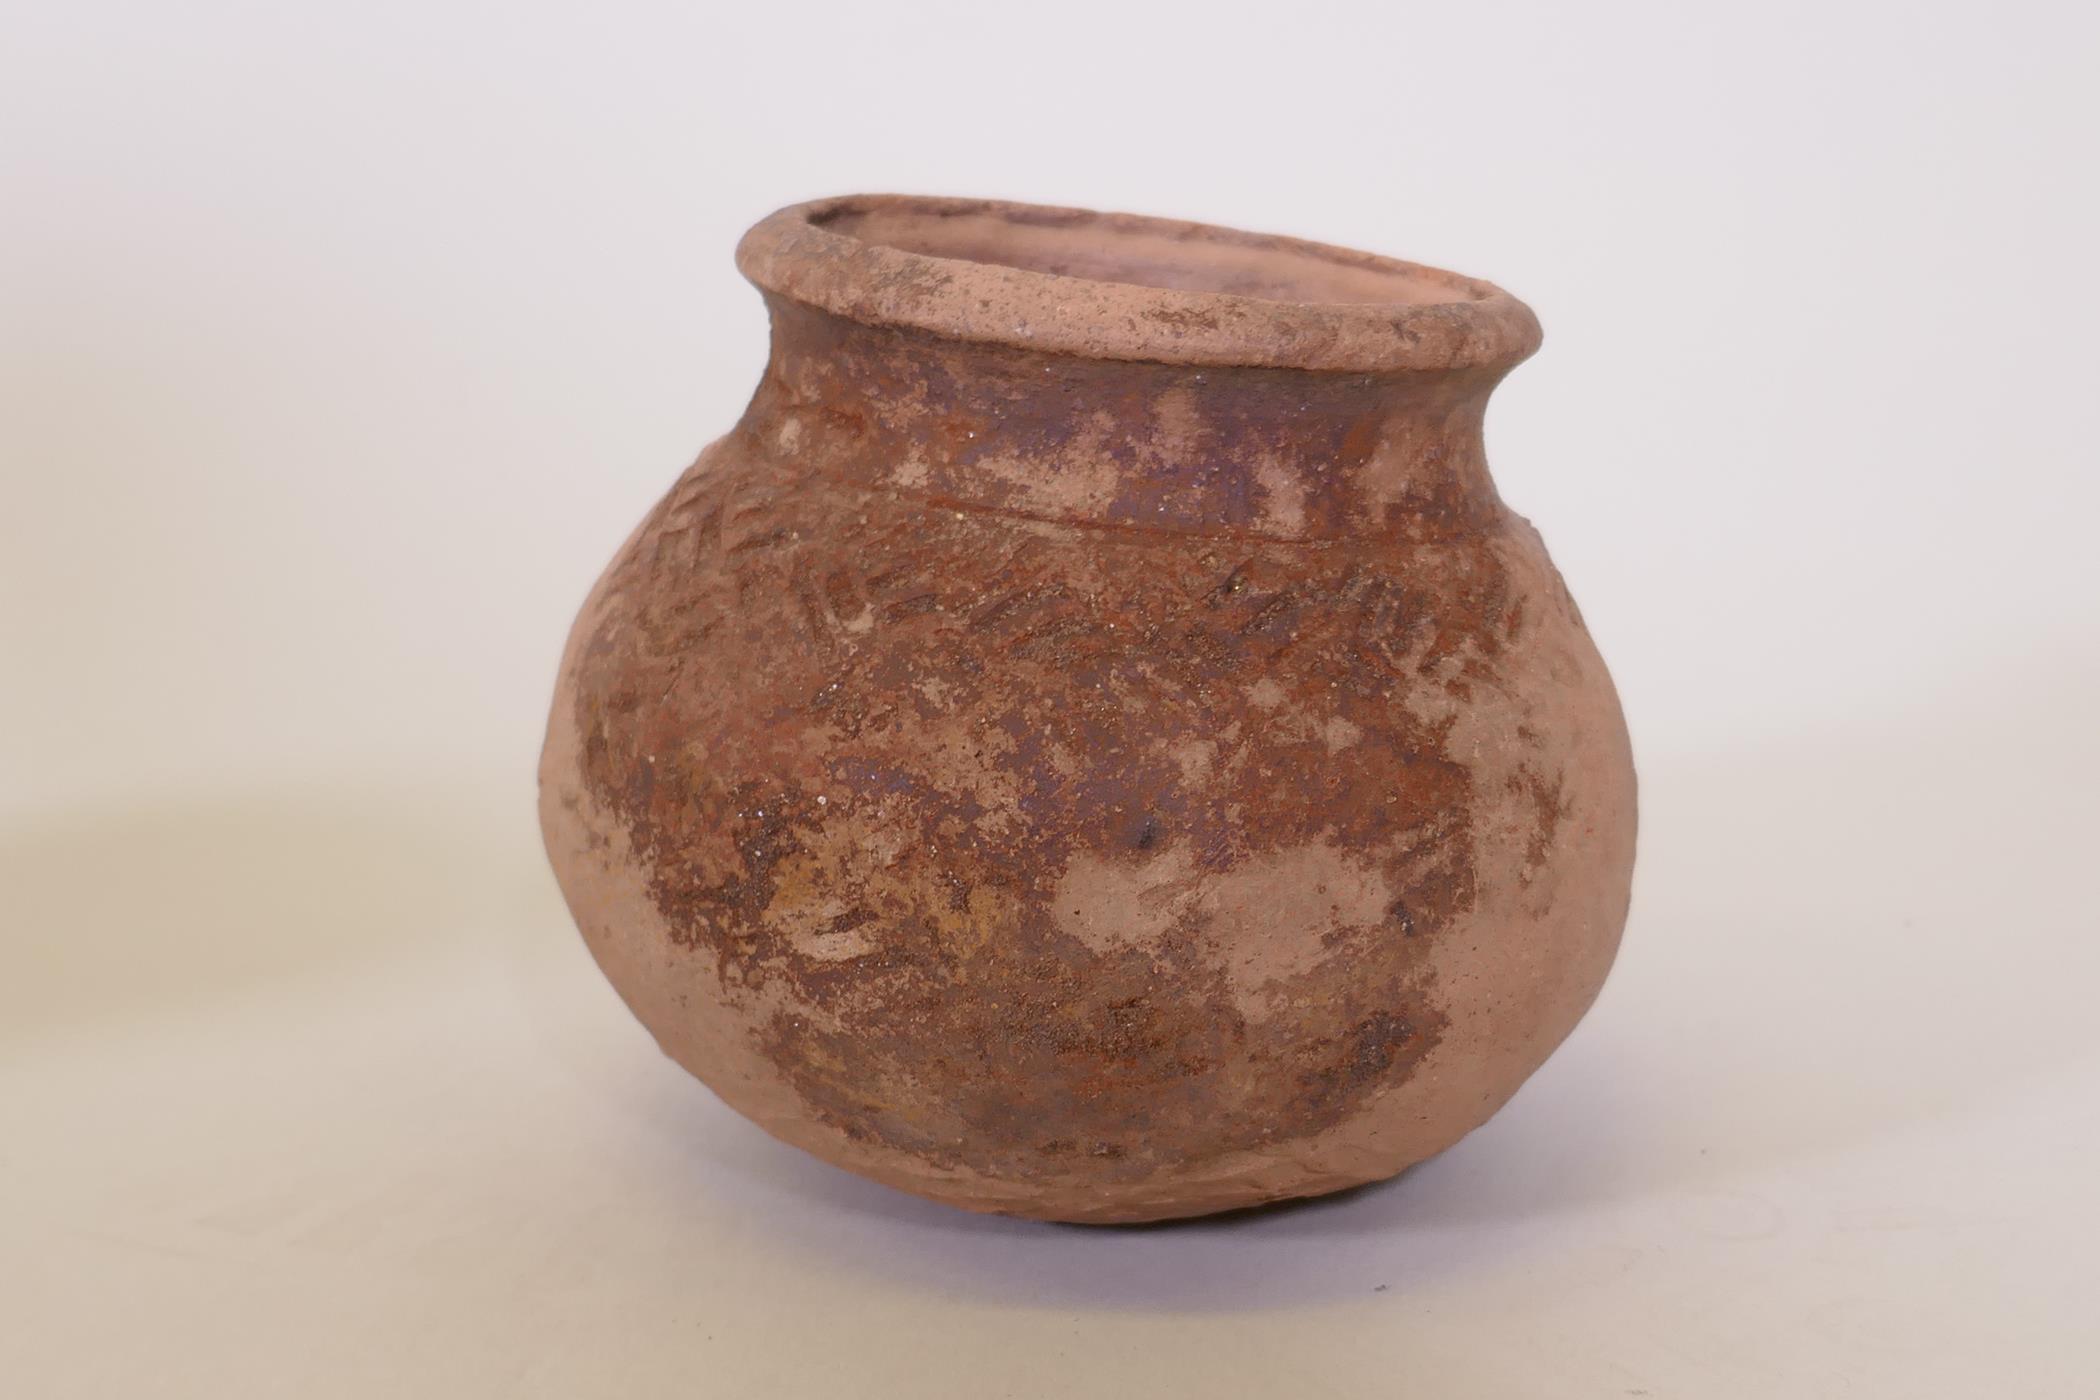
pixel 1142 253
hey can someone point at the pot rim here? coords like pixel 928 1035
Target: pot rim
pixel 814 253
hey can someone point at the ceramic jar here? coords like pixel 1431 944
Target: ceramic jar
pixel 1091 743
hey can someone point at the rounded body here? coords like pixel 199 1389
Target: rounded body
pixel 1110 770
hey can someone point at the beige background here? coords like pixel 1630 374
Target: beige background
pixel 337 352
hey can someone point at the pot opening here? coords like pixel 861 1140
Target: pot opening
pixel 1121 287
pixel 1142 253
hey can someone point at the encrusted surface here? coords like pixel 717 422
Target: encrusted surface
pixel 1090 789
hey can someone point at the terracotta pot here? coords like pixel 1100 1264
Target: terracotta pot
pixel 1091 743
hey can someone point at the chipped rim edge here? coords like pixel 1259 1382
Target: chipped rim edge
pixel 792 254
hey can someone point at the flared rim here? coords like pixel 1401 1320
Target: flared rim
pixel 1129 287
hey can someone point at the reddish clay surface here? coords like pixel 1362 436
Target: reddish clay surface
pixel 1091 743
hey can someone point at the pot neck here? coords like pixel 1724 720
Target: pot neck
pixel 1265 452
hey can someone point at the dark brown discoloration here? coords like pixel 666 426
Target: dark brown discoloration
pixel 1549 809
pixel 1278 453
pixel 1076 775
pixel 1025 695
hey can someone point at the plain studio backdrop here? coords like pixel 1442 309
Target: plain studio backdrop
pixel 343 344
